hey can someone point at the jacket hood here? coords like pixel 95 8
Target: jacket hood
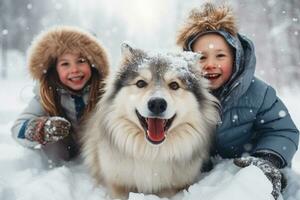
pixel 243 69
pixel 220 20
pixel 52 43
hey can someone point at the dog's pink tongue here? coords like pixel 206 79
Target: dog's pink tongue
pixel 156 129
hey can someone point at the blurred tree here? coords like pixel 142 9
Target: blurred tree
pixel 4 36
pixel 19 21
pixel 294 37
pixel 282 19
pixel 273 25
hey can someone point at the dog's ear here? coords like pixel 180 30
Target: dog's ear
pixel 127 51
pixel 131 55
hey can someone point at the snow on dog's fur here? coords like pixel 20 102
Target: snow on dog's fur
pixel 153 129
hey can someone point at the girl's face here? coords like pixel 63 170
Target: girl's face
pixel 216 60
pixel 73 70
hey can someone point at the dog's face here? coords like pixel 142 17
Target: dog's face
pixel 158 92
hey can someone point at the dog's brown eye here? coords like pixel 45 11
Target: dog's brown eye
pixel 141 84
pixel 174 85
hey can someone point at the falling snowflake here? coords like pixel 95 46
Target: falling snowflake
pixel 248 147
pixel 211 46
pixel 262 121
pixel 284 148
pixel 5 32
pixel 44 71
pixel 29 6
pixel 251 110
pixel 295 19
pixel 282 113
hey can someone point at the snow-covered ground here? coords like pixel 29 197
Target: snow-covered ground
pixel 24 175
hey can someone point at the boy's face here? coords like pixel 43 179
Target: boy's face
pixel 216 60
pixel 73 70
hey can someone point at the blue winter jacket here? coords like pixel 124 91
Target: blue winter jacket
pixel 254 119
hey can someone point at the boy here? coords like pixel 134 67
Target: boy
pixel 255 122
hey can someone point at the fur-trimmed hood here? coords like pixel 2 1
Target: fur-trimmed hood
pixel 50 44
pixel 208 17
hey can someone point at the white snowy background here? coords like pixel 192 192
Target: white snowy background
pixel 24 175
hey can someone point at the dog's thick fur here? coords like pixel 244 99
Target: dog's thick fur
pixel 149 92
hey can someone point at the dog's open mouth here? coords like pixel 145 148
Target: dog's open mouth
pixel 155 128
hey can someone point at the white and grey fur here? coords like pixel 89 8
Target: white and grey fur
pixel 115 148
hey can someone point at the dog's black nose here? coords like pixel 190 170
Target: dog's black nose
pixel 157 105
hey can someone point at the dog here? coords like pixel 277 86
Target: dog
pixel 153 129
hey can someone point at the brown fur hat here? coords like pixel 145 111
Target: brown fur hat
pixel 208 17
pixel 65 39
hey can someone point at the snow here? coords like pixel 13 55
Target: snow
pixel 5 32
pixel 26 175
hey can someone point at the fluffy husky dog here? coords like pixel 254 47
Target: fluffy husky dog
pixel 153 128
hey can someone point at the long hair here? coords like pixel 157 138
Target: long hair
pixel 50 98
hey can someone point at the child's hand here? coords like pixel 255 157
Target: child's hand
pixel 56 128
pixel 272 173
pixel 47 129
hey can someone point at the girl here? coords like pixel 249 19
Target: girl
pixel 255 122
pixel 69 66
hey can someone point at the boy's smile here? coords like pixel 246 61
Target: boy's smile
pixel 216 60
pixel 211 76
